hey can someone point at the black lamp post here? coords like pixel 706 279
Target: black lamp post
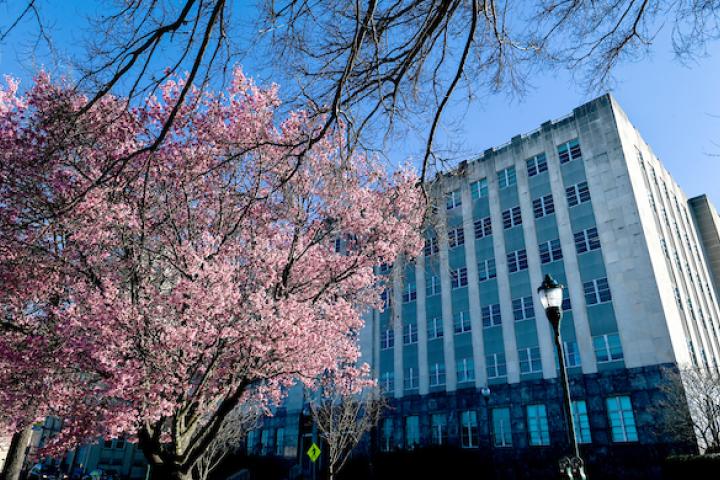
pixel 551 296
pixel 485 392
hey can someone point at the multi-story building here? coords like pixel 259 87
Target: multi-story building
pixel 582 198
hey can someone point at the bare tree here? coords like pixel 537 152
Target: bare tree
pixel 370 64
pixel 343 418
pixel 691 410
pixel 228 439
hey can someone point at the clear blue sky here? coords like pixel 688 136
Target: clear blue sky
pixel 675 107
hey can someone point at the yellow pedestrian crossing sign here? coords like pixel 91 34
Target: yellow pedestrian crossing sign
pixel 313 452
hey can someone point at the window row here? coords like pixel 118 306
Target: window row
pixel 619 410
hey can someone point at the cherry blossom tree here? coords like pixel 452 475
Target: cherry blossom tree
pixel 219 269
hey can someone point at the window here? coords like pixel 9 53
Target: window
pixel 411 378
pixel 432 285
pixel 566 304
pixel 435 328
pixel 517 260
pixel 491 315
pixel 387 339
pixel 386 442
pixel 502 429
pixel 462 322
pixel 412 431
pixel 577 194
pixel 536 165
pixel 550 251
pixel 280 442
pixel 387 380
pixel 431 246
pixel 572 356
pixel 495 363
pixel 538 425
pixel 120 443
pixel 486 270
pixel 512 217
pixel 622 420
pixel 385 267
pixel 607 348
pixel 456 237
pixel 506 178
pixel 337 245
pixel 266 442
pixel 458 278
pixel 569 151
pixel 438 425
pixel 479 189
pixel 386 298
pixel 678 298
pixel 465 370
pixel 582 423
pixel 587 240
pixel 437 374
pixel 483 227
pixel 251 442
pixel 597 291
pixel 410 334
pixel 530 360
pixel 409 292
pixel 523 308
pixel 453 199
pixel 469 429
pixel 543 206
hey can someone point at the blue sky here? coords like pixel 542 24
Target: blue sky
pixel 675 107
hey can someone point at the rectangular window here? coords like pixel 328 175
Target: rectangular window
pixel 506 178
pixel 458 278
pixel 483 227
pixel 387 381
pixel 491 315
pixel 502 428
pixel 572 356
pixel 461 322
pixel 456 237
pixel 251 442
pixel 486 270
pixel 431 246
pixel 387 339
pixel 438 425
pixel 543 206
pixel 266 442
pixel 587 240
pixel 411 379
pixel 435 328
pixel 512 217
pixel 453 199
pixel 597 291
pixel 607 347
pixel 479 189
pixel 437 374
pixel 538 425
pixel 622 420
pixel 409 292
pixel 517 261
pixel 412 431
pixel 550 251
pixel 469 429
pixel 536 165
pixel 530 360
pixel 386 441
pixel 495 363
pixel 577 194
pixel 523 308
pixel 432 285
pixel 410 333
pixel 280 442
pixel 569 151
pixel 582 423
pixel 465 370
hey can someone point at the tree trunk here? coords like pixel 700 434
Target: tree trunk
pixel 168 472
pixel 16 455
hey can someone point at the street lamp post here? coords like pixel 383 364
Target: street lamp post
pixel 485 392
pixel 551 295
